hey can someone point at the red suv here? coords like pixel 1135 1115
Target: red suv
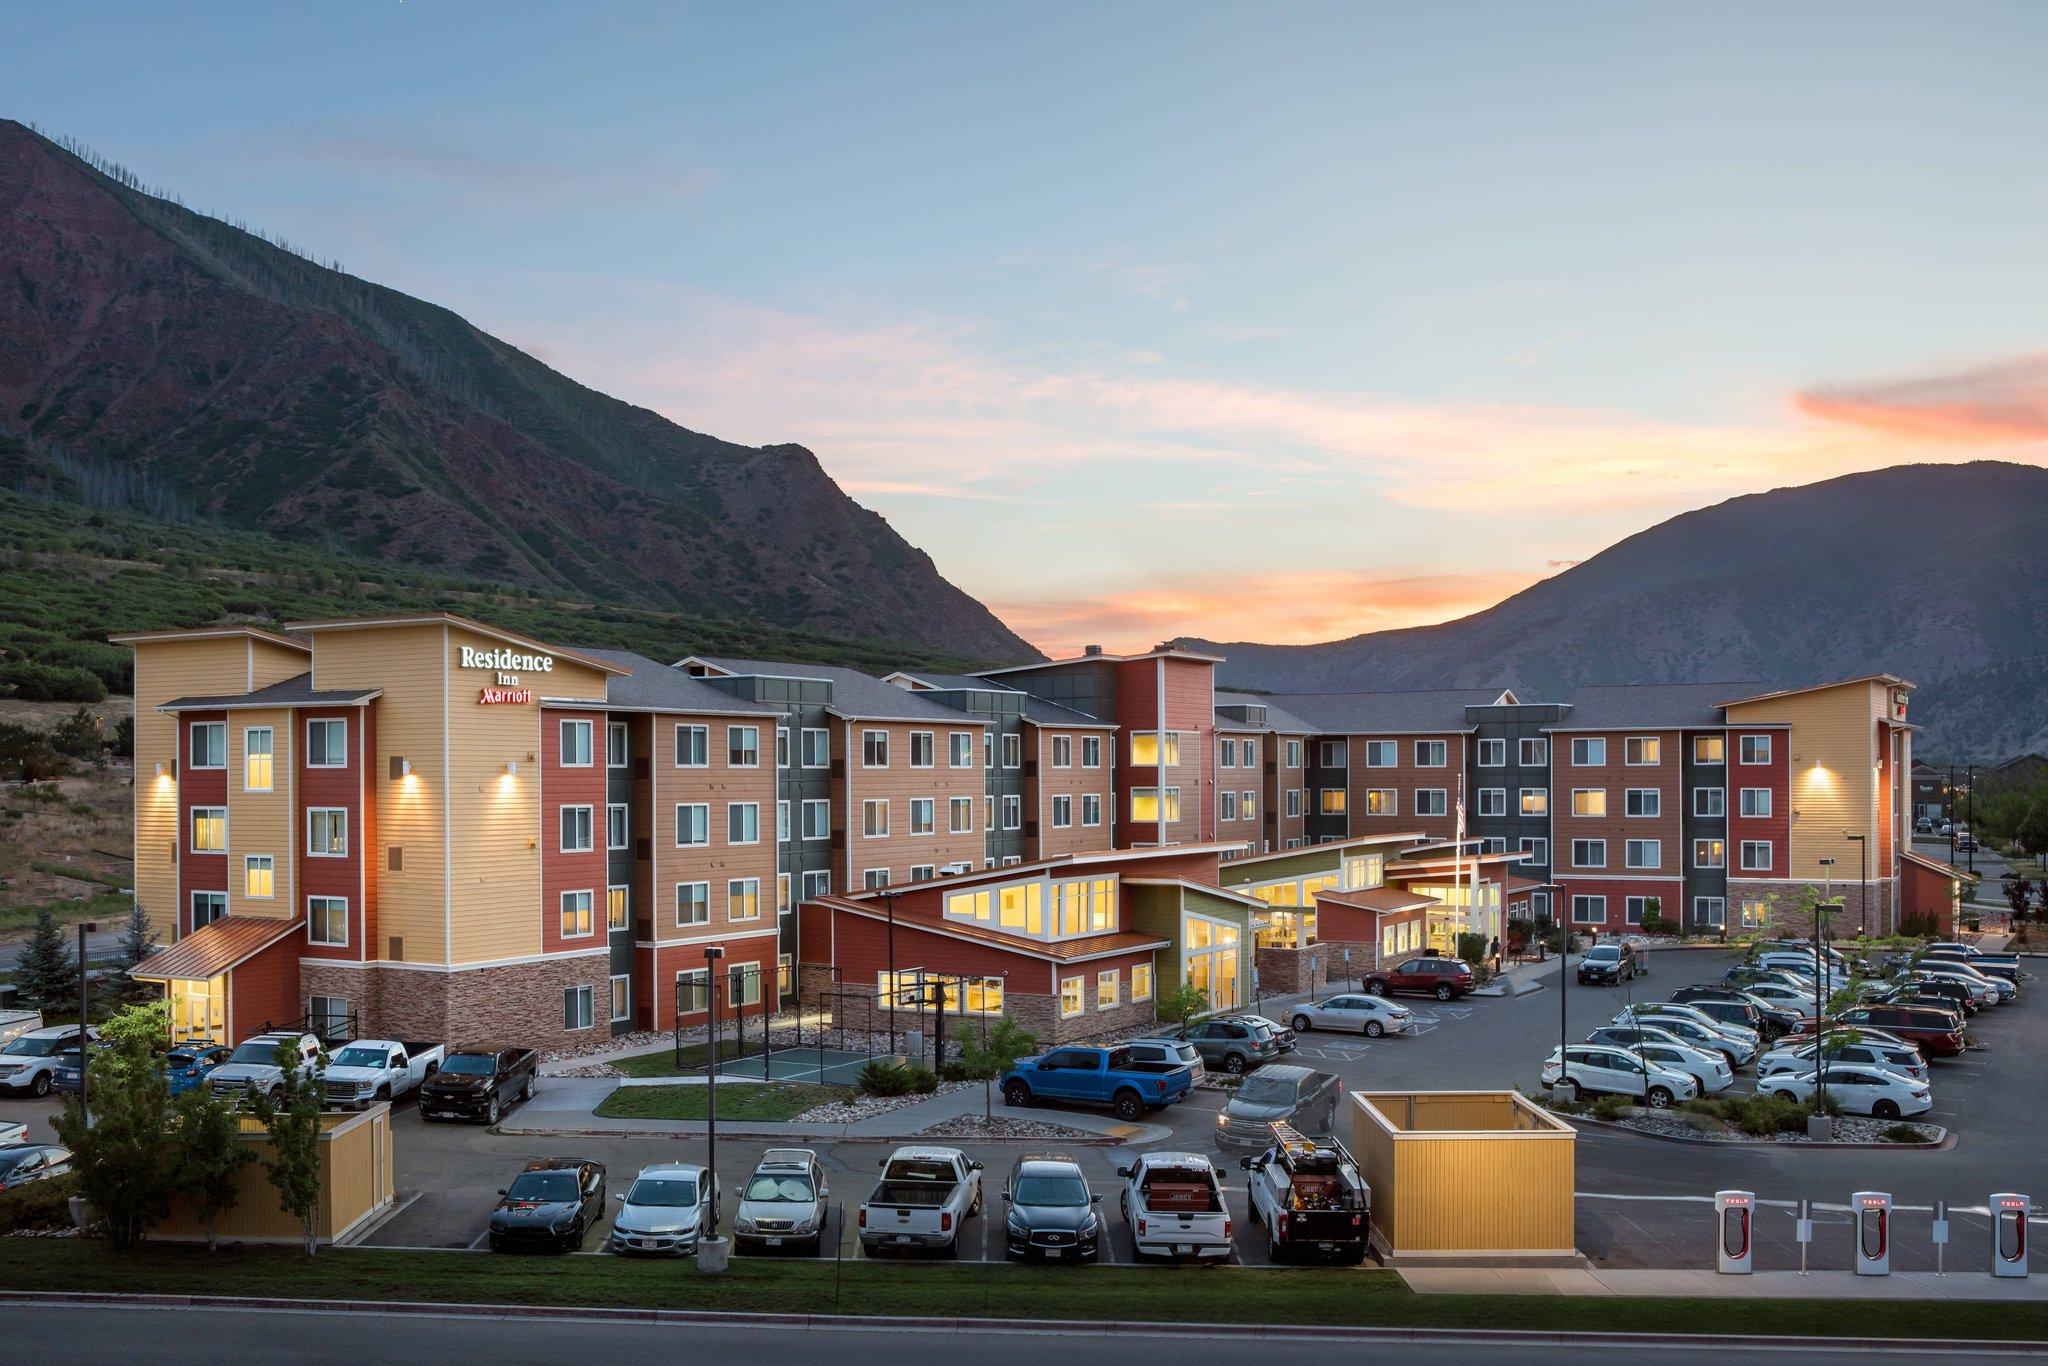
pixel 1939 1033
pixel 1443 978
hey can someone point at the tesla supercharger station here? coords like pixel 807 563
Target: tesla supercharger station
pixel 1735 1252
pixel 1873 1211
pixel 2009 1234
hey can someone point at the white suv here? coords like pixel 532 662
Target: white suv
pixel 1616 1071
pixel 29 1061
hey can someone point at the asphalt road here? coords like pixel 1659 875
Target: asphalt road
pixel 211 1337
pixel 97 946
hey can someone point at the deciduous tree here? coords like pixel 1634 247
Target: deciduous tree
pixel 126 1159
pixel 292 1116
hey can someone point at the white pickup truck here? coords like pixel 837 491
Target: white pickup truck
pixel 372 1070
pixel 1174 1205
pixel 925 1194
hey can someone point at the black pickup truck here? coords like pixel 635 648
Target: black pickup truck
pixel 479 1083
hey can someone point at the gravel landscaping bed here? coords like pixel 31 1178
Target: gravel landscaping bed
pixel 1001 1126
pixel 856 1108
pixel 1848 1129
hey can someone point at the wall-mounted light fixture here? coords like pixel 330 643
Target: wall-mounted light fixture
pixel 159 770
pixel 512 768
pixel 401 767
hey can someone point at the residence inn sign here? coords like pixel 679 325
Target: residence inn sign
pixel 508 664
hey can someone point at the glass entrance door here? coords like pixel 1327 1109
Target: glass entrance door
pixel 199 1009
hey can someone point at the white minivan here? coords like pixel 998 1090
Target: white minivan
pixel 1615 1071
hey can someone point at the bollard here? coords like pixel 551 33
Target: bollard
pixel 1802 1231
pixel 1940 1237
pixel 1872 1213
pixel 713 1255
pixel 2009 1234
pixel 1735 1254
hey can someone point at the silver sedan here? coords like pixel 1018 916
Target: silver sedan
pixel 1357 1013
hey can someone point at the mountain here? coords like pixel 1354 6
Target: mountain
pixel 153 358
pixel 1936 573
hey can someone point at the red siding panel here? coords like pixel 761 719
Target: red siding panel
pixel 333 787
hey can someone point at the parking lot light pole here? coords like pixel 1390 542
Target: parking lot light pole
pixel 713 953
pixel 84 993
pixel 1820 987
pixel 1863 872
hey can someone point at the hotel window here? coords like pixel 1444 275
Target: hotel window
pixel 577 835
pixel 1330 800
pixel 1330 754
pixel 693 904
pixel 785 973
pixel 576 1008
pixel 1709 801
pixel 1091 808
pixel 1073 996
pixel 814 748
pixel 1146 745
pixel 209 745
pixel 259 877
pixel 1247 805
pixel 923 815
pixel 1642 751
pixel 575 744
pixel 1226 754
pixel 1643 801
pixel 327 920
pixel 959 815
pixel 327 832
pixel 1493 801
pixel 1382 753
pixel 1062 751
pixel 1091 751
pixel 1062 812
pixel 1148 806
pixel 743 899
pixel 1589 853
pixel 874 749
pixel 1588 752
pixel 782 822
pixel 1756 801
pixel 616 835
pixel 1226 806
pixel 874 879
pixel 693 824
pixel 782 746
pixel 988 814
pixel 817 819
pixel 1711 911
pixel 1022 907
pixel 622 998
pixel 1634 908
pixel 257 763
pixel 742 822
pixel 1432 801
pixel 1108 989
pixel 693 746
pixel 1755 913
pixel 1589 801
pixel 960 749
pixel 923 872
pixel 578 918
pixel 1013 813
pixel 783 905
pixel 1141 982
pixel 327 743
pixel 742 746
pixel 1293 801
pixel 1535 849
pixel 1756 856
pixel 1247 753
pixel 1535 801
pixel 874 818
pixel 1013 751
pixel 1709 749
pixel 1709 854
pixel 330 1017
pixel 1493 753
pixel 923 748
pixel 208 907
pixel 616 749
pixel 743 984
pixel 1535 751
pixel 1589 910
pixel 1643 853
pixel 988 749
pixel 693 991
pixel 617 908
pixel 817 883
pixel 1432 753
pixel 1379 801
pixel 209 829
pixel 1294 754
pixel 1756 749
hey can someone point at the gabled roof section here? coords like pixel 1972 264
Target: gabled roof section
pixel 1383 900
pixel 1040 712
pixel 917 680
pixel 650 686
pixel 212 633
pixel 214 948
pixel 1889 680
pixel 1279 720
pixel 855 696
pixel 1647 706
pixel 1055 951
pixel 448 619
pixel 296 691
pixel 1935 864
pixel 1435 711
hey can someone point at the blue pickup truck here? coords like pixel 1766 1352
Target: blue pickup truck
pixel 1097 1076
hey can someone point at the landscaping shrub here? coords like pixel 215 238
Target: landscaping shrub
pixel 883 1079
pixel 922 1080
pixel 1611 1108
pixel 1902 1133
pixel 39 1204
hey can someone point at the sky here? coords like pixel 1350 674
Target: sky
pixel 1273 322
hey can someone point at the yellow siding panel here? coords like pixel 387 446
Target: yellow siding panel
pixel 1503 1185
pixel 261 822
pixel 271 663
pixel 355 1166
pixel 1832 781
pixel 497 814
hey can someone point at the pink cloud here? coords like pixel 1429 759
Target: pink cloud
pixel 1989 405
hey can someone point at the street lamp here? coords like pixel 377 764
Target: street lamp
pixel 1820 989
pixel 888 896
pixel 713 955
pixel 84 988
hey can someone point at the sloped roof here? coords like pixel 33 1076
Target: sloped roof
pixel 1278 718
pixel 1382 899
pixel 1040 712
pixel 855 695
pixel 950 682
pixel 1621 706
pixel 296 691
pixel 654 686
pixel 1433 711
pixel 213 948
pixel 1057 951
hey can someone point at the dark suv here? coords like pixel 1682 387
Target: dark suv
pixel 1720 1003
pixel 479 1083
pixel 1443 978
pixel 1938 1032
pixel 1234 1046
pixel 1608 964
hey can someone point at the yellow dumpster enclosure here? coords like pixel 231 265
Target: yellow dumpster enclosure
pixel 355 1186
pixel 1465 1176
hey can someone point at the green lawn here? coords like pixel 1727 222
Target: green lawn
pixel 662 1061
pixel 948 1290
pixel 745 1100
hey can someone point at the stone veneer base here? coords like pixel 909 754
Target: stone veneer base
pixel 516 1004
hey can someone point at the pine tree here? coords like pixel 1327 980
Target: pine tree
pixel 47 971
pixel 137 943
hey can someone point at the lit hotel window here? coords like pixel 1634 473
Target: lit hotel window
pixel 1145 749
pixel 1147 804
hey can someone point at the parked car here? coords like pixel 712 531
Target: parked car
pixel 70 1074
pixel 1972 954
pixel 783 1203
pixel 1691 1031
pixel 28 1061
pixel 1280 1092
pixel 1049 1212
pixel 1858 1089
pixel 12 1131
pixel 1771 1021
pixel 1739 1030
pixel 1705 1066
pixel 1588 1068
pixel 1163 1055
pixel 189 1064
pixel 1953 996
pixel 1282 1035
pixel 252 1069
pixel 1354 1013
pixel 479 1083
pixel 21 1163
pixel 549 1206
pixel 1079 1075
pixel 1966 844
pixel 1727 1010
pixel 662 1212
pixel 1233 1046
pixel 1990 989
pixel 1795 1001
pixel 1174 1205
pixel 1443 978
pixel 2001 969
pixel 1309 1195
pixel 1937 1033
pixel 923 1198
pixel 1609 964
pixel 372 1070
pixel 1846 1049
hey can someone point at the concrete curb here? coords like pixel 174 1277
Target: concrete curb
pixel 1942 1144
pixel 1146 1133
pixel 1101 1328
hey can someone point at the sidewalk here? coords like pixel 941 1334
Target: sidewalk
pixel 1820 1285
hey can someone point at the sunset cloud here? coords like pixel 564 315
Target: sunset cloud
pixel 1992 405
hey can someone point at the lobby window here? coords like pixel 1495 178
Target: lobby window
pixel 1380 801
pixel 874 818
pixel 693 746
pixel 1709 749
pixel 814 748
pixel 1013 750
pixel 1013 813
pixel 1535 751
pixel 1141 982
pixel 742 822
pixel 1091 751
pixel 1535 801
pixel 258 765
pixel 742 746
pixel 616 834
pixel 960 749
pixel 1709 854
pixel 209 829
pixel 327 832
pixel 1589 853
pixel 959 815
pixel 743 899
pixel 1062 751
pixel 327 920
pixel 923 748
pixel 209 745
pixel 578 837
pixel 576 744
pixel 1588 751
pixel 1589 801
pixel 1493 801
pixel 1756 749
pixel 1432 753
pixel 1755 913
pixel 817 819
pixel 874 749
pixel 1149 805
pixel 576 1008
pixel 1642 751
pixel 1493 753
pixel 1062 812
pixel 618 903
pixel 208 907
pixel 1643 801
pixel 1643 853
pixel 1709 801
pixel 622 998
pixel 1381 754
pixel 259 877
pixel 578 917
pixel 923 816
pixel 1146 747
pixel 327 743
pixel 693 824
pixel 1294 754
pixel 1108 989
pixel 1091 808
pixel 693 904
pixel 1432 801
pixel 1022 908
pixel 1073 996
pixel 1756 856
pixel 1756 801
pixel 616 750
